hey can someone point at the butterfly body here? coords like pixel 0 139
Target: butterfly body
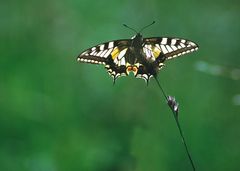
pixel 142 56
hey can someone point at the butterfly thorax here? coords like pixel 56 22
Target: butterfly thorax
pixel 135 56
pixel 137 41
pixel 135 51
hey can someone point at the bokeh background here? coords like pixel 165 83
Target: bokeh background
pixel 60 115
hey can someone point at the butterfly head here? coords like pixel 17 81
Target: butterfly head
pixel 138 36
pixel 137 40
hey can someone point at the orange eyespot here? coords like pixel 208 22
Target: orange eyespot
pixel 134 69
pixel 130 68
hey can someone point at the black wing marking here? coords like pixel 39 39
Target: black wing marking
pixel 168 48
pixel 99 53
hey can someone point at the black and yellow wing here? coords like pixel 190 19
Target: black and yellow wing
pixel 157 50
pixel 167 48
pixel 111 54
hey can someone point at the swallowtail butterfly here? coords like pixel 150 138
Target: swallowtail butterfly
pixel 142 56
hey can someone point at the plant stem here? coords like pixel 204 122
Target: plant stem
pixel 175 114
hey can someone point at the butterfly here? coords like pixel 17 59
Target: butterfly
pixel 142 56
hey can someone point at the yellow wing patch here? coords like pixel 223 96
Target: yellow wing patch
pixel 115 52
pixel 118 53
pixel 155 51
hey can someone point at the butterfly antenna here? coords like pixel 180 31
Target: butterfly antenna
pixel 125 25
pixel 146 26
pixel 174 107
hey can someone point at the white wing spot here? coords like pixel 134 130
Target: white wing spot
pixel 110 45
pixel 164 41
pixel 99 53
pixel 148 53
pixel 102 47
pixel 174 48
pixel 173 42
pixel 84 53
pixel 117 75
pixel 92 52
pixel 192 44
pixel 105 51
pixel 122 53
pixel 116 61
pixel 169 48
pixel 183 41
pixel 108 53
pixel 183 45
pixel 157 45
pixel 179 47
pixel 164 49
pixel 122 61
pixel 144 76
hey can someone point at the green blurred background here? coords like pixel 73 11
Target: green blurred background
pixel 59 115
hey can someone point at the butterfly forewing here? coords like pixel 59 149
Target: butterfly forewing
pixel 99 53
pixel 169 47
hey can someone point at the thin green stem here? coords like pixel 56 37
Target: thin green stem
pixel 175 114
